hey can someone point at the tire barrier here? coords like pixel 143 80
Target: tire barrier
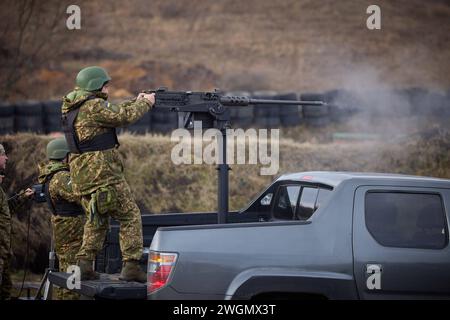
pixel 341 104
pixel 316 116
pixel 447 104
pixel 241 117
pixel 6 118
pixel 29 117
pixel 433 103
pixel 268 115
pixel 290 115
pixel 314 111
pixel 52 116
pixel 45 117
pixel 163 121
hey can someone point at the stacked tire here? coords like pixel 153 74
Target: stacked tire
pixel 341 104
pixel 436 104
pixel 29 117
pixel 163 121
pixel 266 115
pixel 400 104
pixel 52 116
pixel 447 104
pixel 241 117
pixel 289 115
pixel 424 102
pixel 6 118
pixel 316 116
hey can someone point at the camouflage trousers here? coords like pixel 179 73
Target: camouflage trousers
pixel 6 286
pixel 68 237
pixel 127 214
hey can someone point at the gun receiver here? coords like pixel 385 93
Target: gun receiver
pixel 211 108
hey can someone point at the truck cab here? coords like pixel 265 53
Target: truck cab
pixel 308 235
pixel 328 235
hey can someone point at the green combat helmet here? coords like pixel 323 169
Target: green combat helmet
pixel 92 78
pixel 57 149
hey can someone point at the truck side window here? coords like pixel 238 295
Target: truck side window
pixel 267 200
pixel 408 220
pixel 307 204
pixel 324 195
pixel 286 203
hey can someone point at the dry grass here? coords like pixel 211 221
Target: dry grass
pixel 160 186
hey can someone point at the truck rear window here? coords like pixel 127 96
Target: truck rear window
pixel 408 220
pixel 296 202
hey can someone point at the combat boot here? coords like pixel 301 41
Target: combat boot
pixel 131 271
pixel 87 272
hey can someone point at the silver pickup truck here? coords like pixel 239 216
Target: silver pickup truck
pixel 322 235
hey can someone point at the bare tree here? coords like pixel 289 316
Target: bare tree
pixel 28 30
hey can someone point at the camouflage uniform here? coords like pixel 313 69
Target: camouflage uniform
pixel 67 230
pixel 95 170
pixel 5 247
pixel 6 208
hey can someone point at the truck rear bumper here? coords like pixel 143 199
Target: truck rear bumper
pixel 169 293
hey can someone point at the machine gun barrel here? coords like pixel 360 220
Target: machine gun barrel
pixel 246 101
pixel 179 100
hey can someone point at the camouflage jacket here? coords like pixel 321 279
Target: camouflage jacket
pixel 7 206
pixel 92 170
pixel 5 227
pixel 60 187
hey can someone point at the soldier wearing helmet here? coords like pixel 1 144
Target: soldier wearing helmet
pixel 89 124
pixel 68 217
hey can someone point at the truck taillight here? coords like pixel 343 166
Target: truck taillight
pixel 160 266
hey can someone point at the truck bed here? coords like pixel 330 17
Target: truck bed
pixel 109 260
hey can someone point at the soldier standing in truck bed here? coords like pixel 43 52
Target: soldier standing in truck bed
pixel 89 123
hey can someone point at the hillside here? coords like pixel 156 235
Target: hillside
pixel 199 44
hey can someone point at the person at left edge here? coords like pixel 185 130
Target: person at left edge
pixel 7 206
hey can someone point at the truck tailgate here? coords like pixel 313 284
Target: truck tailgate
pixel 107 287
